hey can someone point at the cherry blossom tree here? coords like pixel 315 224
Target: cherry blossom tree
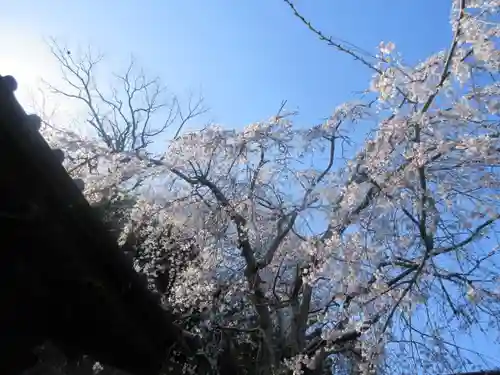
pixel 307 259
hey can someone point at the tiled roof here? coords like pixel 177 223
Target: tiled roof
pixel 62 275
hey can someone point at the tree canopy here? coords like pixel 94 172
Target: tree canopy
pixel 295 251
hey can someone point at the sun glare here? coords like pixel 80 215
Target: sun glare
pixel 28 59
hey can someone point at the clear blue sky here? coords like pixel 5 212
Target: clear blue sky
pixel 244 56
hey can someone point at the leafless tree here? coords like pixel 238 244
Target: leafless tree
pixel 132 112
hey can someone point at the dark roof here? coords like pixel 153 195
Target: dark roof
pixel 63 276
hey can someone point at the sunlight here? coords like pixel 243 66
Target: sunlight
pixel 28 59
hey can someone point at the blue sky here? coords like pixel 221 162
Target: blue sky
pixel 245 57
